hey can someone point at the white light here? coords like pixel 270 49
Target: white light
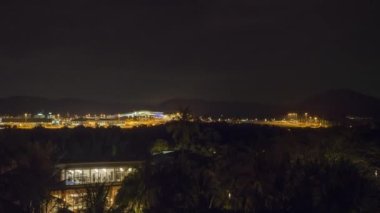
pixel 121 169
pixel 129 169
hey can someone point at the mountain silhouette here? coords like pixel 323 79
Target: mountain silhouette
pixel 333 104
pixel 17 105
pixel 338 104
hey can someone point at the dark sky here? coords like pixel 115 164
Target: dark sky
pixel 148 51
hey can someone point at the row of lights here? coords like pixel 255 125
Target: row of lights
pixel 104 170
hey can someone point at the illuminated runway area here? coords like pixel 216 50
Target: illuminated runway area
pixel 147 119
pixel 124 125
pixel 293 124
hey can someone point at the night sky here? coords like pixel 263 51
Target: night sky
pixel 149 51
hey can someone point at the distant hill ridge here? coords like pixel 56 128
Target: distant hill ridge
pixel 217 108
pixel 340 103
pixel 335 104
pixel 16 105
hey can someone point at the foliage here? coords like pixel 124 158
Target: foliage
pixel 95 198
pixel 159 147
pixel 290 172
pixel 214 167
pixel 27 173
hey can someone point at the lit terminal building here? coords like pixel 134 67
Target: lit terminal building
pixel 143 114
pixel 75 178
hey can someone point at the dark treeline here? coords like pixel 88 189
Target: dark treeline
pixel 223 168
pixel 211 167
pixel 88 144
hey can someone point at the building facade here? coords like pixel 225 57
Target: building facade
pixel 75 180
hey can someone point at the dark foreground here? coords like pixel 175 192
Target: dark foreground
pixel 202 168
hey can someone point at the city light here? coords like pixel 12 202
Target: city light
pixel 148 119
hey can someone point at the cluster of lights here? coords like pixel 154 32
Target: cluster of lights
pixel 54 121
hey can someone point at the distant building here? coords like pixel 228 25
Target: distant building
pixel 50 115
pixel 358 121
pixel 75 177
pixel 39 115
pixel 143 114
pixel 292 116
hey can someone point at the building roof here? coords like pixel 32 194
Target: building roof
pixel 97 164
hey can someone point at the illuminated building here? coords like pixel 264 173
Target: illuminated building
pixel 143 114
pixel 75 178
pixel 39 116
pixel 292 116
